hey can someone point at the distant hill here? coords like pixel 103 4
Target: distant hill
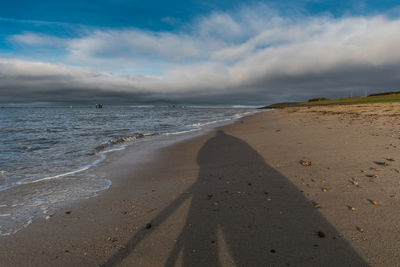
pixel 322 101
pixel 387 93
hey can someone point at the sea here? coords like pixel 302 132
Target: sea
pixel 48 154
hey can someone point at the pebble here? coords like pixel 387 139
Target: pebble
pixel 148 226
pixel 305 163
pixel 47 217
pixel 321 234
pixel 360 229
pixel 325 189
pixel 316 205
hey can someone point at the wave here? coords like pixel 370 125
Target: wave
pixel 84 168
pixel 245 114
pixel 200 124
pixel 121 140
pixel 182 132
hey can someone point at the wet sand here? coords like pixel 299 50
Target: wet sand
pixel 239 196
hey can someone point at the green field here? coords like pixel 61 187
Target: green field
pixel 383 98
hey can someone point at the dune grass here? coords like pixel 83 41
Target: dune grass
pixel 385 98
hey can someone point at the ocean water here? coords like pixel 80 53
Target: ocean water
pixel 47 154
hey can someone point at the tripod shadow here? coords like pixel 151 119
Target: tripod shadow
pixel 245 213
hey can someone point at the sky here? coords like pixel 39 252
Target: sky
pixel 204 52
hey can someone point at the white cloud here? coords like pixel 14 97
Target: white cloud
pixel 252 50
pixel 34 39
pixel 135 44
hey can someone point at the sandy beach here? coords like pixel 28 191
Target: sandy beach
pixel 293 187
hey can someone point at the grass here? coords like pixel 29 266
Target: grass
pixel 391 97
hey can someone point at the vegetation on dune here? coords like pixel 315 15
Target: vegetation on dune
pixel 374 98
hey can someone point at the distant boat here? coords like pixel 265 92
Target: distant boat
pixel 99 105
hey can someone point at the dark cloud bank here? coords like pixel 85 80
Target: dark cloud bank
pixel 253 56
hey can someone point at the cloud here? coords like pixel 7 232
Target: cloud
pixel 253 54
pixel 135 44
pixel 34 39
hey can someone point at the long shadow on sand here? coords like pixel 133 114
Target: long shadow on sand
pixel 245 213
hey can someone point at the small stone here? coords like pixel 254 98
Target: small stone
pixel 321 234
pixel 363 171
pixel 66 252
pixel 360 229
pixel 47 217
pixel 68 212
pixel 375 202
pixel 382 163
pixel 374 169
pixel 273 251
pixel 316 205
pixel 148 226
pixel 76 218
pixel 390 159
pixel 249 184
pixel 305 163
pixel 325 189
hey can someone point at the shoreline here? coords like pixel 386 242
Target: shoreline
pixel 84 172
pixel 240 190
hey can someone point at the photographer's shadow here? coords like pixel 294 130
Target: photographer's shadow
pixel 245 213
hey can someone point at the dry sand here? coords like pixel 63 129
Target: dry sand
pixel 239 196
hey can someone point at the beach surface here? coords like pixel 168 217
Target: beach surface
pixel 294 187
